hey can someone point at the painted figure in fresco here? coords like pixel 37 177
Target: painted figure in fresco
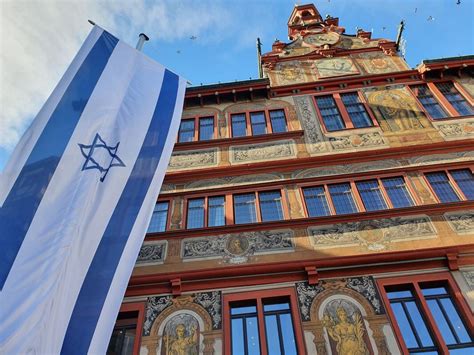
pixel 237 245
pixel 181 336
pixel 346 333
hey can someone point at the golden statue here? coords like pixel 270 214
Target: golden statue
pixel 181 344
pixel 348 336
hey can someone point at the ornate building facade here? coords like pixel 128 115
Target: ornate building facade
pixel 326 208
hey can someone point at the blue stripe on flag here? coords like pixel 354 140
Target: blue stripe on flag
pixel 27 192
pixel 99 277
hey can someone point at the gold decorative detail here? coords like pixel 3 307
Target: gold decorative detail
pixel 181 336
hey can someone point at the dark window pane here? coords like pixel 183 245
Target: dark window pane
pixel 356 110
pixel 238 344
pixel 206 128
pixel 239 125
pixel 273 338
pixel 289 342
pixel 428 101
pixel 419 324
pixel 455 320
pixel 159 218
pixel 244 208
pixel 277 118
pixel 316 202
pixel 371 195
pixel 216 211
pixel 465 181
pixel 196 213
pixel 441 322
pixel 329 112
pixel 253 342
pixel 342 199
pixel 455 98
pixel 186 131
pixel 397 192
pixel 121 342
pixel 257 120
pixel 404 325
pixel 270 206
pixel 442 187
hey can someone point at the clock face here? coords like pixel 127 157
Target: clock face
pixel 320 39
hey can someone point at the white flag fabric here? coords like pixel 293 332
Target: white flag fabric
pixel 77 195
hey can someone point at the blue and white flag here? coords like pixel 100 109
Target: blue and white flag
pixel 77 195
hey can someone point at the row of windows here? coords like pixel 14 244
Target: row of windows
pixel 427 312
pixel 337 111
pixel 320 200
pixel 242 124
pixel 349 110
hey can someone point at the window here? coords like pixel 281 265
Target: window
pixel 341 195
pixel 186 131
pixel 375 194
pixel 429 102
pixel 126 336
pixel 442 100
pixel 270 206
pixel 262 323
pixel 430 318
pixel 316 202
pixel 455 98
pixel 346 110
pixel 452 186
pixel 244 208
pixel 159 218
pixel 206 128
pixel 195 213
pixel 258 122
pixel 197 128
pixel 197 207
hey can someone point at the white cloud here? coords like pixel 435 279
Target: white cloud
pixel 38 40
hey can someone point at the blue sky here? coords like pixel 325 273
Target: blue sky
pixel 39 39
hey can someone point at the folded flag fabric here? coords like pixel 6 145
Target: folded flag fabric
pixel 77 195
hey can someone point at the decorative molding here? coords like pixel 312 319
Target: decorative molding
pixel 306 294
pixel 193 159
pixel 262 152
pixel 232 181
pixel 312 129
pixel 461 222
pixel 374 235
pixel 154 306
pixel 365 285
pixel 353 141
pixel 457 130
pixel 237 248
pixel 469 277
pixel 212 303
pixel 152 253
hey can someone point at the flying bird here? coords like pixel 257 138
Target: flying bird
pixel 383 28
pixel 193 37
pixel 416 9
pixel 430 18
pixel 458 2
pixel 178 51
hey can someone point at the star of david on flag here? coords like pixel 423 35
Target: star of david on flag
pixel 68 241
pixel 93 162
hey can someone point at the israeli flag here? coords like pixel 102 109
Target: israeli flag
pixel 77 196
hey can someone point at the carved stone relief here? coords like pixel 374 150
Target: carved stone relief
pixel 262 152
pixel 353 141
pixel 460 129
pixel 152 253
pixel 237 248
pixel 395 108
pixel 194 159
pixel 374 234
pixel 461 222
pixel 312 128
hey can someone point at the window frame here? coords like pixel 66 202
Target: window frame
pixel 168 215
pixel 196 137
pixel 441 99
pixel 140 308
pixel 453 183
pixel 248 122
pixel 356 194
pixel 229 205
pixel 413 282
pixel 259 296
pixel 343 111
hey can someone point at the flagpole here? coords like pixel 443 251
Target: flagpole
pixel 142 38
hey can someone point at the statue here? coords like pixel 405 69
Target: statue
pixel 181 336
pixel 348 335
